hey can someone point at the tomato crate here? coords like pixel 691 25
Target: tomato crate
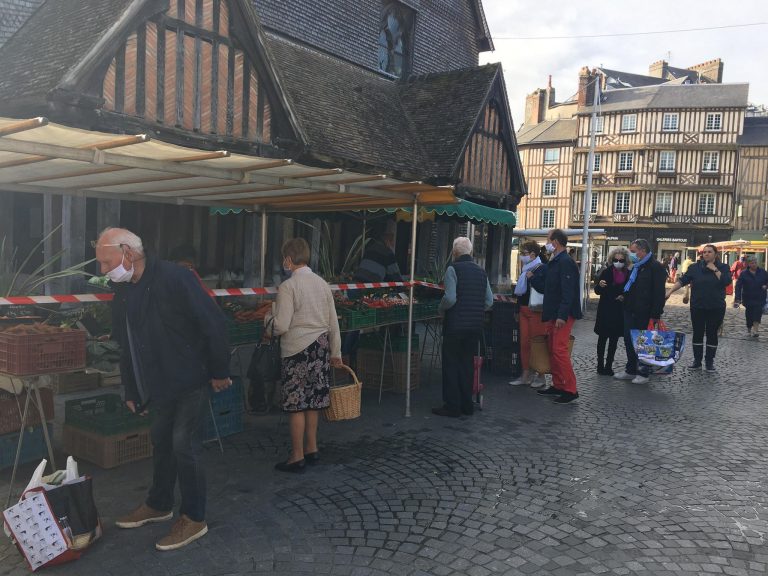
pixel 23 354
pixel 108 451
pixel 33 448
pixel 12 406
pixel 105 414
pixel 350 319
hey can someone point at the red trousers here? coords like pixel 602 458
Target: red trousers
pixel 530 326
pixel 563 376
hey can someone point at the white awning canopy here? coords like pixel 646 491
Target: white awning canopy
pixel 41 157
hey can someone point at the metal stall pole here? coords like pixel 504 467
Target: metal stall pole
pixel 410 308
pixel 262 260
pixel 585 260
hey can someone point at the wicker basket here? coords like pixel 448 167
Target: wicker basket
pixel 345 400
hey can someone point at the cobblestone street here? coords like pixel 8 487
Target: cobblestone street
pixel 657 479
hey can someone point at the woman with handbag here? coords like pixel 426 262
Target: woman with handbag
pixel 530 302
pixel 609 324
pixel 304 316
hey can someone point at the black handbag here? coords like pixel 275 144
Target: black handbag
pixel 265 361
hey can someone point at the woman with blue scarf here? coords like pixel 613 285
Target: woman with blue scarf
pixel 530 317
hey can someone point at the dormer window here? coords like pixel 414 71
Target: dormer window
pixel 395 39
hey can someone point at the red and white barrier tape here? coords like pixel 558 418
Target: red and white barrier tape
pixel 221 292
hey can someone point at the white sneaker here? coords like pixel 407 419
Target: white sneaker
pixel 518 382
pixel 623 376
pixel 639 379
pixel 537 382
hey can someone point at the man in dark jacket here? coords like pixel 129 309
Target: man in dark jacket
pixel 379 263
pixel 644 296
pixel 174 347
pixel 751 290
pixel 467 296
pixel 561 309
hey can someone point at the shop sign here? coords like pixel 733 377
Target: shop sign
pixel 611 237
pixel 684 240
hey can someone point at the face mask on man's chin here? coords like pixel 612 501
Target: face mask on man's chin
pixel 119 273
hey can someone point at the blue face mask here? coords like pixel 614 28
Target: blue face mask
pixel 634 258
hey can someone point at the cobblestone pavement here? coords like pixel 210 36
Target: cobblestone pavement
pixel 658 479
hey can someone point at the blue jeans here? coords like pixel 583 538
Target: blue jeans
pixel 177 444
pixel 633 321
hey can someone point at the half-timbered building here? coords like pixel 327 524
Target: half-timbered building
pixel 751 198
pixel 388 88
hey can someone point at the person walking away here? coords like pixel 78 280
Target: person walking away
pixel 609 324
pixel 643 303
pixel 708 279
pixel 304 316
pixel 562 308
pixel 674 262
pixel 174 349
pixel 751 290
pixel 530 318
pixel 736 270
pixel 467 296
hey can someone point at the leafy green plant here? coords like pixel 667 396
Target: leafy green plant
pixel 438 268
pixel 13 281
pixel 326 266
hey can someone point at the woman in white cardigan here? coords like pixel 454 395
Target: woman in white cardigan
pixel 304 316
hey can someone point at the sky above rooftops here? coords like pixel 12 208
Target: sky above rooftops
pixel 528 63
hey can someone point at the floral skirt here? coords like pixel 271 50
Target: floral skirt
pixel 306 377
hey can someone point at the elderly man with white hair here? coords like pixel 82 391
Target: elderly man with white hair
pixel 467 296
pixel 174 349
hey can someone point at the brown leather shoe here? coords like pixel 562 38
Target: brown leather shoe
pixel 142 515
pixel 182 533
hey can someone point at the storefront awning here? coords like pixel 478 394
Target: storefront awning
pixel 466 210
pixel 40 157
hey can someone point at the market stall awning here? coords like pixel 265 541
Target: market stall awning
pixel 466 210
pixel 40 157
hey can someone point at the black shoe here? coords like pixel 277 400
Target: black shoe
pixel 444 411
pixel 710 366
pixel 312 458
pixel 296 467
pixel 566 398
pixel 696 365
pixel 551 391
pixel 601 370
pixel 608 372
pixel 468 412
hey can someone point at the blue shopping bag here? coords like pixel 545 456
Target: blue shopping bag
pixel 658 347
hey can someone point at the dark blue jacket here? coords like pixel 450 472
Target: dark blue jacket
pixel 560 286
pixel 467 315
pixel 707 292
pixel 750 288
pixel 178 331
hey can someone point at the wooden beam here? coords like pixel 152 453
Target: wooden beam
pixel 23 125
pixel 319 173
pixel 109 144
pixel 370 178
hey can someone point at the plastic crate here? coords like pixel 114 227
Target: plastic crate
pixel 228 421
pixel 105 414
pixel 12 407
pixel 33 448
pixel 398 343
pixel 352 319
pixel 22 354
pixel 244 332
pixel 395 370
pixel 107 451
pixel 229 399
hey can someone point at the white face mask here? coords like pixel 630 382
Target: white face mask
pixel 618 265
pixel 525 259
pixel 550 247
pixel 119 273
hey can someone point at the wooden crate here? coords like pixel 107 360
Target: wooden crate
pixel 75 382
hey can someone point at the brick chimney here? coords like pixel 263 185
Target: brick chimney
pixel 550 93
pixel 535 107
pixel 586 94
pixel 658 69
pixel 710 71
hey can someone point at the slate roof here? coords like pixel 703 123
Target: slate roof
pixel 560 130
pixel 416 128
pixel 671 96
pixel 618 79
pixel 13 13
pixel 755 131
pixel 37 57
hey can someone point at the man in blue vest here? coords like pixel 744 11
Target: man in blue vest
pixel 467 296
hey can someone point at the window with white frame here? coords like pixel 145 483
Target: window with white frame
pixel 593 204
pixel 548 218
pixel 551 155
pixel 670 122
pixel 596 163
pixel 707 203
pixel 629 122
pixel 710 162
pixel 714 122
pixel 550 187
pixel 622 203
pixel 765 215
pixel 663 203
pixel 626 161
pixel 599 124
pixel 667 161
